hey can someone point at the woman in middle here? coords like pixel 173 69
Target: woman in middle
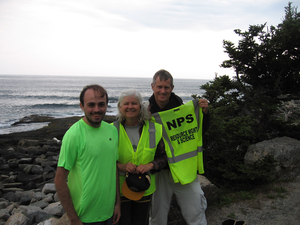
pixel 141 152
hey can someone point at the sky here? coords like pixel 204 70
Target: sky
pixel 132 38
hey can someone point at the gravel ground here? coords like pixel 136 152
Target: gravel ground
pixel 269 207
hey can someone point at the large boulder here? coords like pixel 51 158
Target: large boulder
pixel 285 150
pixel 211 192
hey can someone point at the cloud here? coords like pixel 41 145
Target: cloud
pixel 124 38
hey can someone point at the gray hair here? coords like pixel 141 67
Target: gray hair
pixel 163 76
pixel 144 114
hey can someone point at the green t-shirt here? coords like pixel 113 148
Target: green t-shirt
pixel 90 154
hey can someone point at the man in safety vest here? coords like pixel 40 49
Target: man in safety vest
pixel 184 126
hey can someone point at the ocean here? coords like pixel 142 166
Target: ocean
pixel 58 96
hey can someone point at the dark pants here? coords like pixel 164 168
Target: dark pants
pixel 135 212
pixel 107 222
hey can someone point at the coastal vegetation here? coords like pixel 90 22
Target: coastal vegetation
pixel 257 104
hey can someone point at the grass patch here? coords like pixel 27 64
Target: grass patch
pixel 232 215
pixel 271 191
pixel 245 195
pixel 271 196
pixel 243 211
pixel 280 190
pixel 227 198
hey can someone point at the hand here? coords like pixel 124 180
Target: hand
pixel 203 103
pixel 143 168
pixel 76 222
pixel 117 213
pixel 130 167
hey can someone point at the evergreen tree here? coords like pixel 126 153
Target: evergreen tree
pixel 266 62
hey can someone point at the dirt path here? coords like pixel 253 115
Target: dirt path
pixel 269 207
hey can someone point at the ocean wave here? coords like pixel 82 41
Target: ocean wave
pixel 30 97
pixel 64 105
pixel 22 127
pixel 55 105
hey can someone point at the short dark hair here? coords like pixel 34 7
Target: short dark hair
pixel 163 75
pixel 97 88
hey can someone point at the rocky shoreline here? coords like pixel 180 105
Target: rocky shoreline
pixel 55 129
pixel 28 163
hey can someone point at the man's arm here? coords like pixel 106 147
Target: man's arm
pixel 64 195
pixel 117 211
pixel 203 103
pixel 160 158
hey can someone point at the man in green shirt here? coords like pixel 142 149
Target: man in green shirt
pixel 88 159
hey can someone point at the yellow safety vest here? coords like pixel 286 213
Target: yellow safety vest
pixel 182 130
pixel 145 152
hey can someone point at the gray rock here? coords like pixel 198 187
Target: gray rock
pixel 48 176
pixel 37 217
pixel 49 169
pixel 25 200
pixel 49 198
pixel 32 194
pixel 49 163
pixel 284 149
pixel 11 197
pixel 12 185
pixel 39 195
pixel 26 178
pixel 13 163
pixel 36 169
pixel 49 188
pixel 3 203
pixel 41 204
pixel 28 142
pixel 10 179
pixel 56 198
pixel 26 169
pixel 64 220
pixel 55 209
pixel 25 161
pixel 11 206
pixel 30 185
pixel 51 221
pixel 54 153
pixel 210 190
pixel 11 189
pixel 17 219
pixel 33 150
pixel 4 214
pixel 39 160
pixel 28 209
